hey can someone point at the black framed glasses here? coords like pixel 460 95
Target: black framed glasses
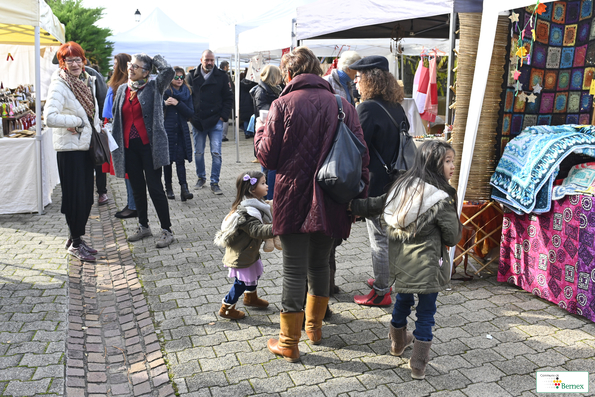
pixel 134 66
pixel 178 77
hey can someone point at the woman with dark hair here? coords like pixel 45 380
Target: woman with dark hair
pixel 142 140
pixel 296 138
pixel 71 110
pixel 381 116
pixel 178 108
pixel 119 77
pixel 267 90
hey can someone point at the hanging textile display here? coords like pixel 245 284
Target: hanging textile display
pixel 484 161
pixel 431 100
pixel 254 68
pixel 552 65
pixel 420 86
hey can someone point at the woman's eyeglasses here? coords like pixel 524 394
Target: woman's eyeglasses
pixel 75 60
pixel 178 77
pixel 134 66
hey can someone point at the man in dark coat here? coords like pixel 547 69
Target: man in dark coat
pixel 213 100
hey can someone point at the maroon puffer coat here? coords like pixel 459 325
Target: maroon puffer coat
pixel 297 137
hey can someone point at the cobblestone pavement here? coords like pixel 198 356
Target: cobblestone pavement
pixel 93 330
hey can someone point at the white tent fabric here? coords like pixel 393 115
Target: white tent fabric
pixel 320 18
pixel 159 34
pixel 21 69
pixel 17 19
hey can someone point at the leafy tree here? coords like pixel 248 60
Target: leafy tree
pixel 80 28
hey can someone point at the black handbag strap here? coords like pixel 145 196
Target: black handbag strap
pixel 372 145
pixel 340 105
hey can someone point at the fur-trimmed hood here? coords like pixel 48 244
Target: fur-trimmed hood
pixel 424 201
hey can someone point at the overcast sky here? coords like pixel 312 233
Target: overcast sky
pixel 204 17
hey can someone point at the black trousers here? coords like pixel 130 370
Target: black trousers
pixel 142 176
pixel 180 167
pixel 76 179
pixel 305 260
pixel 100 180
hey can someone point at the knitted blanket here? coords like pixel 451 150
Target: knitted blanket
pixel 530 163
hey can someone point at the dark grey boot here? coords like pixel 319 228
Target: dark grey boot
pixel 186 195
pixel 419 359
pixel 169 192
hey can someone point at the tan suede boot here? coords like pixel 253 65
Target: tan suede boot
pixel 230 312
pixel 277 242
pixel 315 311
pixel 251 299
pixel 401 339
pixel 268 245
pixel 289 336
pixel 419 359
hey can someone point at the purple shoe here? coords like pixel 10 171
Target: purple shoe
pixel 90 250
pixel 81 253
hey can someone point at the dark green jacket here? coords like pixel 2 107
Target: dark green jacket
pixel 243 247
pixel 418 255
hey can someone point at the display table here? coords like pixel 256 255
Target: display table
pixel 18 180
pixel 551 254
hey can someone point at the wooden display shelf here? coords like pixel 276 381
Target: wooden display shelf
pixel 9 121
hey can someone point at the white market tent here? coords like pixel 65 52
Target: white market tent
pixel 159 34
pixel 31 22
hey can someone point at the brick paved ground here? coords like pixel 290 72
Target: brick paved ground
pixel 206 356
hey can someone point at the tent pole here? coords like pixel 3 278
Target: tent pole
pixel 403 68
pixel 38 141
pixel 487 36
pixel 237 97
pixel 450 74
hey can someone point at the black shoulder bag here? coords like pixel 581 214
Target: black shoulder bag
pixel 340 175
pixel 406 154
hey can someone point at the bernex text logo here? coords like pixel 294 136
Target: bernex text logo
pixel 562 382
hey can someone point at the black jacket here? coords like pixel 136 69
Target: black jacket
pixel 100 87
pixel 263 96
pixel 176 122
pixel 212 99
pixel 380 132
pixel 246 103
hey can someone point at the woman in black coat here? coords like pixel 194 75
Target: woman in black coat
pixel 178 109
pixel 246 104
pixel 267 90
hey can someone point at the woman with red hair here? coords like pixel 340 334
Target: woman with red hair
pixel 71 110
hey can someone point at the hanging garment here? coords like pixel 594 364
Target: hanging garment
pixel 431 103
pixel 420 91
pixel 254 68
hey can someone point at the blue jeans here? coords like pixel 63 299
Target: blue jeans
pixel 130 196
pixel 270 177
pixel 237 289
pixel 425 310
pixel 215 135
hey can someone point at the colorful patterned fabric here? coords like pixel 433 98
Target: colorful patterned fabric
pixel 552 255
pixel 561 64
pixel 530 163
pixel 580 179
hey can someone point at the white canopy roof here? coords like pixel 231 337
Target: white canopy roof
pixel 321 18
pixel 19 18
pixel 159 34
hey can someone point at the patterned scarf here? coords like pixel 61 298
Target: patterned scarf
pixel 82 92
pixel 135 86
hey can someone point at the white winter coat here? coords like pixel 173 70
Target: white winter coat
pixel 62 110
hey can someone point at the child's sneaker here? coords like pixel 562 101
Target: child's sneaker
pixel 230 312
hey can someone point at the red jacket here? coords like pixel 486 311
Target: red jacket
pixel 133 114
pixel 297 137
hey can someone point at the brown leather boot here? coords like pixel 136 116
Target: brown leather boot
pixel 230 312
pixel 289 336
pixel 251 299
pixel 419 359
pixel 315 311
pixel 401 339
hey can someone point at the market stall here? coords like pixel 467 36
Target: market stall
pixel 28 23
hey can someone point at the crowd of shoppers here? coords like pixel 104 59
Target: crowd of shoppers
pixel 410 220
